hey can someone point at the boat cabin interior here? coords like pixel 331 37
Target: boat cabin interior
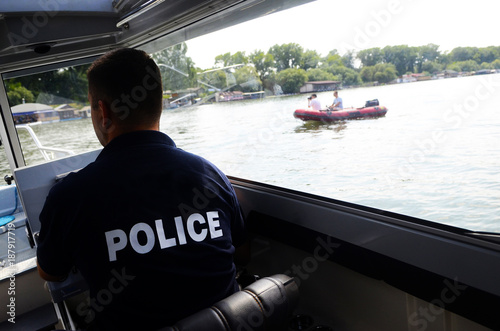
pixel 356 267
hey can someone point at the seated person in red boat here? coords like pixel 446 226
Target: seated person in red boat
pixel 151 228
pixel 337 102
pixel 313 102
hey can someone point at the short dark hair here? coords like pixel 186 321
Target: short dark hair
pixel 314 95
pixel 129 81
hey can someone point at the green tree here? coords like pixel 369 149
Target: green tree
pixel 227 59
pixel 371 56
pixel 177 69
pixel 59 86
pixel 248 79
pixel 17 94
pixel 291 79
pixel 223 60
pixel 431 66
pixel 469 65
pixel 384 76
pixel 71 84
pixel 287 55
pixel 496 64
pixel 444 59
pixel 454 66
pixel 348 59
pixel 333 59
pixel 402 56
pixel 486 65
pixel 347 76
pixel 263 63
pixel 333 64
pixel 382 73
pixel 426 53
pixel 217 78
pixel 310 60
pixel 317 74
pixel 486 54
pixel 270 83
pixel 460 54
pixel 367 74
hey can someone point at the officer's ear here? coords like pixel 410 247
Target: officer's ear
pixel 105 119
pixel 104 123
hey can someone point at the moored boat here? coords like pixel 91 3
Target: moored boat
pixel 340 115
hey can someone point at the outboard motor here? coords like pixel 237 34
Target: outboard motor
pixel 371 103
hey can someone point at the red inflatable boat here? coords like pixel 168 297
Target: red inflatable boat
pixel 340 115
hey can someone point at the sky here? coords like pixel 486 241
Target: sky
pixel 324 25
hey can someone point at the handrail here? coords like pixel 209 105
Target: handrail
pixel 49 153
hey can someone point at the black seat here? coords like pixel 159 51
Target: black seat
pixel 265 304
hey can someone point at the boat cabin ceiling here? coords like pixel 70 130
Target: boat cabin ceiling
pixel 40 32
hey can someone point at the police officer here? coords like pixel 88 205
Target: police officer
pixel 151 228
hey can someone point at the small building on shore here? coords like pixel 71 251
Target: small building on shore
pixel 447 74
pixel 485 72
pixel 34 112
pixel 85 112
pixel 180 98
pixel 254 95
pixel 228 96
pixel 67 112
pixel 320 86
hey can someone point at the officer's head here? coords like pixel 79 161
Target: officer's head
pixel 125 93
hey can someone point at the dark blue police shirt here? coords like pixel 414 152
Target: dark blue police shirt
pixel 152 229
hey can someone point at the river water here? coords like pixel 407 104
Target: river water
pixel 435 155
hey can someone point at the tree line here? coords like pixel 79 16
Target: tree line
pixel 288 66
pixel 51 87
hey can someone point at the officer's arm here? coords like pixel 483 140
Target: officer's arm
pixel 242 254
pixel 50 278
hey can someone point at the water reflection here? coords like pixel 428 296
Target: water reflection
pixel 318 126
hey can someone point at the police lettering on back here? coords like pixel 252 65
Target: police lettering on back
pixel 117 240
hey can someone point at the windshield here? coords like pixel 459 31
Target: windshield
pixel 51 113
pixel 231 97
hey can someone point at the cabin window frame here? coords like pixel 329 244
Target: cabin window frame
pixel 8 133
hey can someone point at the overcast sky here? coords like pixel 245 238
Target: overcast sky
pixel 357 25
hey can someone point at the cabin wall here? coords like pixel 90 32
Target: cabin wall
pixel 343 299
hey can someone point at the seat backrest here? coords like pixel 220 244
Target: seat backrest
pixel 266 304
